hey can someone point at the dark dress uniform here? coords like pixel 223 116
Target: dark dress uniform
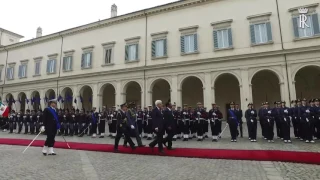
pixel 77 123
pixel 51 124
pixel 251 118
pixel 262 122
pixel 20 121
pixel 33 121
pixel 285 123
pixel 12 119
pixel 316 111
pixel 158 127
pixel 201 117
pixel 149 124
pixel 295 119
pixel 26 121
pixel 113 118
pixel 239 115
pixel 169 124
pixel 269 123
pixel 233 124
pixel 102 124
pixel 215 116
pixel 307 123
pixel 186 117
pixel 277 118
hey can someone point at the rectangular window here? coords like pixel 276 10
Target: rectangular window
pixel 261 33
pixel 10 72
pixel 37 68
pixel 0 74
pixel 22 71
pixel 108 56
pixel 222 38
pixel 132 52
pixel 51 66
pixel 67 63
pixel 311 27
pixel 189 43
pixel 86 60
pixel 159 48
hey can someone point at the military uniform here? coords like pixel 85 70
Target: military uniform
pixel 285 115
pixel 149 124
pixel 33 121
pixel 77 122
pixel 233 122
pixel 239 115
pixel 12 121
pixel 261 120
pixel 201 117
pixel 139 120
pixel 276 113
pixel 26 121
pixel 185 114
pixel 177 118
pixel 269 122
pixel 102 124
pixel 215 117
pixel 251 118
pixel 316 111
pixel 307 122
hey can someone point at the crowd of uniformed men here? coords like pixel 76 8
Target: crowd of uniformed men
pixel 187 123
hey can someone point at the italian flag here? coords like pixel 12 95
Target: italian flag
pixel 4 110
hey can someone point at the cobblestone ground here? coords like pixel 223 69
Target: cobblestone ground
pixel 224 143
pixel 82 165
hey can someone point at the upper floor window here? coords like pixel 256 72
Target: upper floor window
pixel 159 45
pixel 189 40
pixel 10 72
pixel 261 33
pixel 37 68
pixel 260 29
pixel 22 71
pixel 222 35
pixel 51 66
pixel 67 63
pixel 308 28
pixel 132 49
pixel 108 53
pixel 86 59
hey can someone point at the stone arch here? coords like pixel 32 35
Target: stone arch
pixel 160 89
pixel 277 73
pixel 22 100
pixel 67 97
pixel 222 73
pixel 108 93
pixel 132 91
pixel 36 100
pixel 188 76
pixel 307 82
pixel 86 94
pixel 9 100
pixel 192 90
pixel 227 88
pixel 265 86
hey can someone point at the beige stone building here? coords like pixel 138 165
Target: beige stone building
pixel 188 51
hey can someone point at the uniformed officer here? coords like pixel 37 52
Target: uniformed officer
pixel 175 124
pixel 215 118
pixel 276 113
pixel 285 115
pixel 12 119
pixel 113 119
pixel 145 122
pixel 177 114
pixel 200 116
pixel 77 122
pixel 186 120
pixel 20 121
pixel 306 119
pixel 233 122
pixel 251 118
pixel 268 118
pixel 261 120
pixel 239 115
pixel 316 112
pixel 72 122
pixel 102 123
pixel 26 119
pixel 94 122
pixel 149 124
pixel 139 120
pixel 295 119
pixel 33 121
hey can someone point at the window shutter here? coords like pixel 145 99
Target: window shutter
pixel 215 39
pixel 8 73
pixel 20 71
pixel 182 44
pixel 165 50
pixel 253 38
pixel 26 71
pixel 137 51
pixel 153 48
pixel 295 27
pixel 195 36
pixel 71 58
pixel 64 66
pixel 90 63
pixel 315 23
pixel 126 53
pixel 48 66
pixel 269 31
pixel 82 60
pixel 230 39
pixel 54 65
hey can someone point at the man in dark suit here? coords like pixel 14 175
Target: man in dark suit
pixel 51 125
pixel 157 126
pixel 169 125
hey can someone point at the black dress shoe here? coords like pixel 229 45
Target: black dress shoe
pixel 45 154
pixel 116 150
pixel 101 137
pixel 133 148
pixel 52 154
pixel 161 152
pixel 141 145
pixel 174 139
pixel 125 145
pixel 170 148
pixel 151 147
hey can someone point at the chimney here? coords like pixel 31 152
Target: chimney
pixel 113 10
pixel 39 32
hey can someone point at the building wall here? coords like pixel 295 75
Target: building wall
pixel 242 74
pixel 8 39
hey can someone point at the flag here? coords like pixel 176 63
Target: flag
pixel 27 100
pixel 4 110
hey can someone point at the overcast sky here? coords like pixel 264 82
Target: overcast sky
pixel 25 16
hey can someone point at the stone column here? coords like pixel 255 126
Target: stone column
pixel 285 96
pixel 28 104
pixel 207 96
pixel 142 99
pixel 149 98
pixel 292 87
pixel 95 96
pixel 118 94
pixel 213 96
pixel 174 91
pixel 43 102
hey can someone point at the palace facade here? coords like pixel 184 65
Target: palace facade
pixel 186 52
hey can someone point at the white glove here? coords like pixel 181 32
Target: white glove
pixel 136 114
pixel 184 113
pixel 73 116
pixel 252 112
pixel 90 124
pixel 42 129
pixel 285 119
pixel 307 111
pixel 156 129
pixel 307 119
pixel 148 115
pixel 99 115
pixel 24 116
pixel 64 115
pixel 286 111
pixel 251 120
pixel 19 116
pixel 214 114
pixel 212 120
pixel 38 116
pixel 132 127
pixel 319 117
pixel 269 112
pixel 199 113
pixel 11 116
pixel 268 120
pixel 111 115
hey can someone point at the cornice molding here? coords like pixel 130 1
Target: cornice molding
pixel 111 21
pixel 260 15
pixel 306 6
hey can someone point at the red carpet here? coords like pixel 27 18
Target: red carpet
pixel 256 155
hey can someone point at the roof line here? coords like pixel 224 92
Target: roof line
pixel 10 32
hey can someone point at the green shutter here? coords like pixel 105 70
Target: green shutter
pixel 126 52
pixel 82 60
pixel 153 48
pixel 269 31
pixel 20 71
pixel 165 50
pixel 295 27
pixel 195 36
pixel 315 23
pixel 137 51
pixel 48 66
pixel 64 65
pixel 91 59
pixel 54 65
pixel 182 44
pixel 215 39
pixel 230 38
pixel 71 62
pixel 253 38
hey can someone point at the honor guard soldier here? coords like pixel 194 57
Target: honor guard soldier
pixel 175 119
pixel 285 122
pixel 185 125
pixel 72 121
pixel 233 122
pixel 66 122
pixel 145 123
pixel 33 121
pixel 12 119
pixel 122 127
pixel 132 119
pixel 39 121
pixel 77 122
pixel 179 122
pixel 113 118
pixel 215 117
pixel 82 123
pixel 139 120
pixel 261 120
pixel 269 122
pixel 169 124
pixel 239 115
pixel 316 111
pixel 200 116
pixel 299 119
pixel 276 113
pixel 20 121
pixel 149 125
pixel 26 119
pixel 306 118
pixel 102 124
pixel 251 118
pixel 295 120
pixel 94 122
